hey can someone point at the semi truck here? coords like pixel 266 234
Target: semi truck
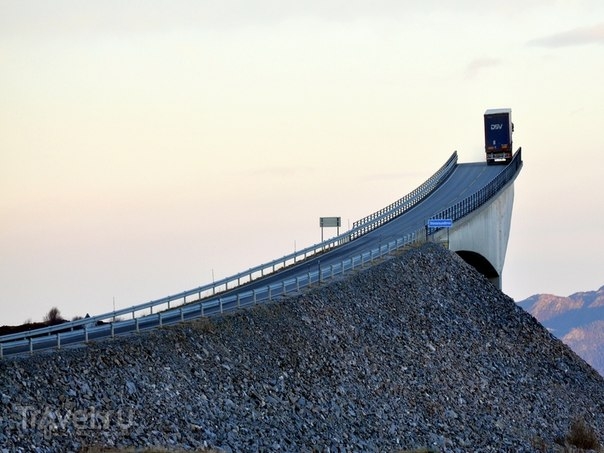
pixel 498 128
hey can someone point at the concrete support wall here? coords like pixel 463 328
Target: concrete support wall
pixel 485 232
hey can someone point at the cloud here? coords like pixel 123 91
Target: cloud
pixel 477 65
pixel 90 18
pixel 574 37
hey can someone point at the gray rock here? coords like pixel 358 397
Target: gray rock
pixel 417 351
pixel 130 387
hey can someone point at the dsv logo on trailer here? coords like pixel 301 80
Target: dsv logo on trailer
pixel 496 127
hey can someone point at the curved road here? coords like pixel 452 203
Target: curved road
pixel 465 180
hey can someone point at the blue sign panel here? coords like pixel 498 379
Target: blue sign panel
pixel 440 223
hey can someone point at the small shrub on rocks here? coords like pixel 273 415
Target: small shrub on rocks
pixel 204 325
pixel 53 316
pixel 582 435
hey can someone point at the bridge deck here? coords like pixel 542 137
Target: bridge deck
pixel 465 180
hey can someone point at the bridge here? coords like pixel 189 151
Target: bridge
pixel 476 199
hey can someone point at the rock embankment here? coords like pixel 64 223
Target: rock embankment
pixel 418 351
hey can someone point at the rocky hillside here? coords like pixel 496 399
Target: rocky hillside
pixel 578 320
pixel 419 351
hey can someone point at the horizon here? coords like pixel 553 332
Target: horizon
pixel 144 152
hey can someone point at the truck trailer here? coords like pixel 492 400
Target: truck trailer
pixel 498 128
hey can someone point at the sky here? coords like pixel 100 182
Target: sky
pixel 147 148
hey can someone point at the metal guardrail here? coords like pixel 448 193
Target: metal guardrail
pixel 214 306
pixel 479 198
pixel 85 329
pixel 360 227
pixel 375 220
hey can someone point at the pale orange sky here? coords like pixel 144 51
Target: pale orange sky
pixel 144 149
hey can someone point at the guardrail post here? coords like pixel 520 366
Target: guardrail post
pixel 31 346
pixel 58 341
pixel 284 291
pixel 238 300
pixel 137 325
pixel 254 296
pixel 160 320
pixel 85 334
pixel 220 303
pixel 182 315
pixel 269 292
pixel 112 330
pixel 1 351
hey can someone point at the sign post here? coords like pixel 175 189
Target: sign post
pixel 329 222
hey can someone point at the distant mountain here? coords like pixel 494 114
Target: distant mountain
pixel 578 320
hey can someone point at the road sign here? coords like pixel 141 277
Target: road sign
pixel 330 221
pixel 440 223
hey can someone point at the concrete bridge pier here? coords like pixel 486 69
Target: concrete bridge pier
pixel 481 238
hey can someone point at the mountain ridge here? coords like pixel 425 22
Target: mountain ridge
pixel 577 320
